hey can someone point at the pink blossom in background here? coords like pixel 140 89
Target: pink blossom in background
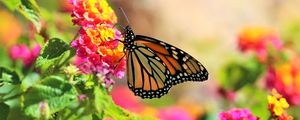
pixel 258 40
pixel 24 53
pixel 228 94
pixel 174 113
pixel 123 97
pixel 237 114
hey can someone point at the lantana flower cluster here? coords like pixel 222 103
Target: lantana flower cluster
pixel 283 73
pixel 237 114
pixel 285 77
pixel 97 46
pixel 277 105
pixel 259 40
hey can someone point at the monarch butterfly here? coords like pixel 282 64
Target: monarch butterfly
pixel 153 66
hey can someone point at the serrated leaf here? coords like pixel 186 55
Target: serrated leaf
pixel 49 87
pixel 4 111
pixel 55 104
pixel 30 10
pixel 53 90
pixel 54 54
pixel 9 76
pixel 11 4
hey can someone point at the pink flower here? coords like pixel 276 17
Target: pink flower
pixel 22 52
pixel 228 94
pixel 258 40
pixel 174 113
pixel 81 97
pixel 123 97
pixel 237 114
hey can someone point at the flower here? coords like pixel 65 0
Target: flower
pixel 285 77
pixel 237 114
pixel 183 110
pixel 173 113
pixel 44 110
pixel 22 52
pixel 10 29
pixel 276 105
pixel 81 97
pixel 88 13
pixel 228 94
pixel 258 39
pixel 98 46
pixel 123 97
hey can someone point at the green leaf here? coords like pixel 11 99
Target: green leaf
pixel 39 39
pixel 105 105
pixel 100 100
pixel 258 104
pixel 54 54
pixel 30 10
pixel 9 76
pixel 11 4
pixel 49 87
pixel 238 74
pixel 29 80
pixel 55 104
pixel 54 91
pixel 4 111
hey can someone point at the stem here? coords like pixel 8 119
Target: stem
pixel 12 97
pixel 76 35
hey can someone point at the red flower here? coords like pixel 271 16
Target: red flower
pixel 258 39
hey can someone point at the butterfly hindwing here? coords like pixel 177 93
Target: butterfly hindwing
pixel 146 73
pixel 154 66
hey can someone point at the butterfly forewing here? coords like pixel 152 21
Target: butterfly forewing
pixel 154 66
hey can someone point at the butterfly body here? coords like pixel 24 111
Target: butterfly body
pixel 153 66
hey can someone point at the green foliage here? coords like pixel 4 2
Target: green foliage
pixel 30 10
pixel 236 75
pixel 54 54
pixel 257 103
pixel 8 76
pixel 11 4
pixel 4 110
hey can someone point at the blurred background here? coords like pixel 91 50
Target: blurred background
pixel 209 30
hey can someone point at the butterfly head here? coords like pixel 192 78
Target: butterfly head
pixel 129 37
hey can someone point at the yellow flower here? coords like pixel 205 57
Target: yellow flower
pixel 277 104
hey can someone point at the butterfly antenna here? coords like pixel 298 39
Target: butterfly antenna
pixel 124 15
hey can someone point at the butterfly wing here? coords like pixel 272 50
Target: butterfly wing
pixel 153 67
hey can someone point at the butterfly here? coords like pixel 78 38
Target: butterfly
pixel 154 66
